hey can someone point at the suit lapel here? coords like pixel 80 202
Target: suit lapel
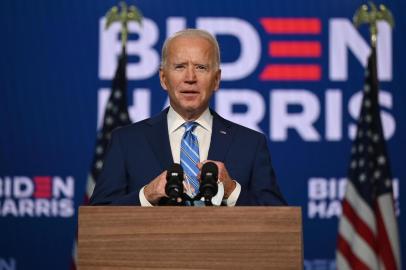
pixel 158 138
pixel 221 138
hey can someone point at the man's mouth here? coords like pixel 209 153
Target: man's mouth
pixel 189 92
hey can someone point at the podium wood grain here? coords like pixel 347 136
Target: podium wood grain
pixel 190 238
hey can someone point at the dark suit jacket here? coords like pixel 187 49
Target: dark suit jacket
pixel 140 152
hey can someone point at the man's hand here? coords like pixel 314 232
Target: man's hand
pixel 223 176
pixel 155 190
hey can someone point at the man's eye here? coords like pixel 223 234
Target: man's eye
pixel 179 67
pixel 201 67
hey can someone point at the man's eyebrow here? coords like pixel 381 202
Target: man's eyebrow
pixel 179 63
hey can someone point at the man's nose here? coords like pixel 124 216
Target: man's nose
pixel 190 76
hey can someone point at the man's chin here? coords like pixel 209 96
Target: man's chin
pixel 191 112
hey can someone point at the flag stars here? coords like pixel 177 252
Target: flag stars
pixel 353 150
pixel 361 162
pixel 362 177
pixel 377 174
pixel 375 138
pixel 353 164
pixel 99 164
pixel 123 116
pixel 360 148
pixel 99 150
pixel 368 118
pixel 381 160
pixel 370 149
pixel 367 88
pixel 117 94
pixel 388 183
pixel 109 120
pixel 367 103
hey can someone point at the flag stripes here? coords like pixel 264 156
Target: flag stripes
pixel 368 235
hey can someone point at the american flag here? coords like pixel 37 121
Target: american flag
pixel 115 115
pixel 368 234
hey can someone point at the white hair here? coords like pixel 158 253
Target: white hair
pixel 191 32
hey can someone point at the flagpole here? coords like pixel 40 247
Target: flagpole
pixel 368 235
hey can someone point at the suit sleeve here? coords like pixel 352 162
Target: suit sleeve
pixel 111 186
pixel 263 188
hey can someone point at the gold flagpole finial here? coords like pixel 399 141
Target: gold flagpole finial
pixel 126 14
pixel 370 15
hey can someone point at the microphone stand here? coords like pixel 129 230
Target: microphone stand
pixel 207 199
pixel 186 200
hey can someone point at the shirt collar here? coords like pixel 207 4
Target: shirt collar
pixel 175 121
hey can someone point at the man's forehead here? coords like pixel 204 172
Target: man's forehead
pixel 193 50
pixel 190 41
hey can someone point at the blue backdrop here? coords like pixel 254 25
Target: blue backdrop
pixel 56 66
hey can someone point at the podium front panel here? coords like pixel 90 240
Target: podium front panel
pixel 125 237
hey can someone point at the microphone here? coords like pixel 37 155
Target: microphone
pixel 208 185
pixel 174 183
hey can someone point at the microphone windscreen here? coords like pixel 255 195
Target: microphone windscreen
pixel 175 170
pixel 210 167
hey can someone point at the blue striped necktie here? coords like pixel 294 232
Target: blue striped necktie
pixel 189 155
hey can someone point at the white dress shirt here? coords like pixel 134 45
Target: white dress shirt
pixel 203 133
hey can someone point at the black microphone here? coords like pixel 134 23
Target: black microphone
pixel 174 183
pixel 208 185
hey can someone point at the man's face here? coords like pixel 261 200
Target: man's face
pixel 190 75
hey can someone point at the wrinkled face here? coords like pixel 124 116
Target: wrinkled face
pixel 190 75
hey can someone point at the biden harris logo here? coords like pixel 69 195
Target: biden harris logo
pixel 37 196
pixel 296 71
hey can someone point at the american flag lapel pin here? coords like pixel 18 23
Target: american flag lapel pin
pixel 223 132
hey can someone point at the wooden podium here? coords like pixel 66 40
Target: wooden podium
pixel 125 237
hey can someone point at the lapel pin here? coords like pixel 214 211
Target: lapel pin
pixel 223 132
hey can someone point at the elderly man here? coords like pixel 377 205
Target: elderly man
pixel 189 133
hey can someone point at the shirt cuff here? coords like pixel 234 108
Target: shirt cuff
pixel 143 200
pixel 232 199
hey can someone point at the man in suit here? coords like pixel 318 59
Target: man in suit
pixel 134 170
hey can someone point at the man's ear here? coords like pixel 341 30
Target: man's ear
pixel 162 79
pixel 217 80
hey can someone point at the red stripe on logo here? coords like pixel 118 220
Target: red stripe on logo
pixel 294 49
pixel 42 180
pixel 291 72
pixel 43 195
pixel 42 186
pixel 291 25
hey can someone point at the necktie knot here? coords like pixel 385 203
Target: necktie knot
pixel 190 126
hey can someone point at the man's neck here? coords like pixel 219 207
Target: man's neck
pixel 190 116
